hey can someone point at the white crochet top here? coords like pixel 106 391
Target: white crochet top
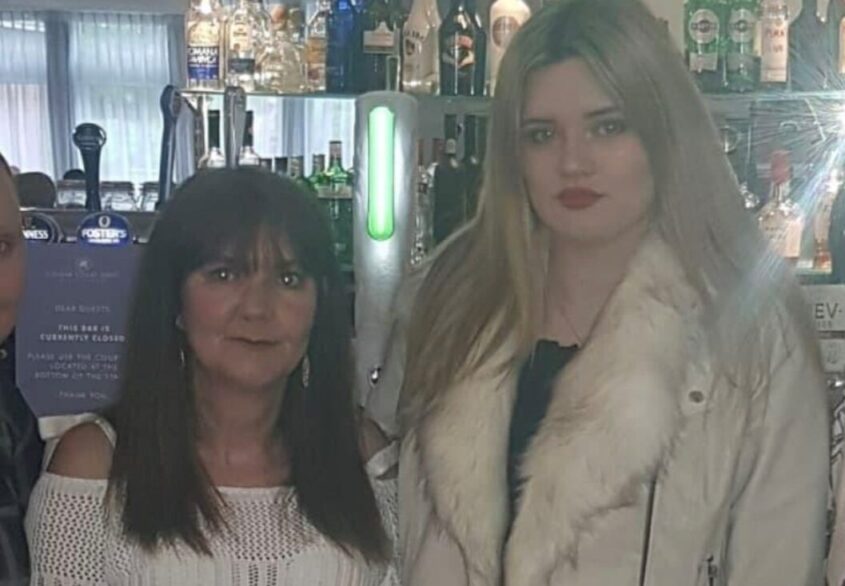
pixel 269 541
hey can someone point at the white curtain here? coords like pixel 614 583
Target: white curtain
pixel 25 138
pixel 118 65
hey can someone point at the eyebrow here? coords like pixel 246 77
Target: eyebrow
pixel 597 113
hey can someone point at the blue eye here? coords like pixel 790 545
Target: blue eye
pixel 610 127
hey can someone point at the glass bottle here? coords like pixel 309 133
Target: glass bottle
pixel 380 45
pixel 774 61
pixel 281 68
pixel 337 177
pixel 463 51
pixel 317 179
pixel 742 61
pixel 342 48
pixel 422 242
pixel 822 220
pixel 248 157
pixel 337 198
pixel 203 34
pixel 213 158
pixel 781 219
pixel 472 164
pixel 506 17
pixel 836 43
pixel 246 33
pixel 449 186
pixel 315 47
pixel 280 166
pixel 704 36
pixel 809 58
pixel 421 61
pixel 296 171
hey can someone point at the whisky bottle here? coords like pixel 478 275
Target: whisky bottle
pixel 781 220
pixel 315 47
pixel 203 34
pixel 247 30
pixel 281 68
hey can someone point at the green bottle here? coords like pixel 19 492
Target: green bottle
pixel 296 172
pixel 318 180
pixel 742 62
pixel 705 37
pixel 338 202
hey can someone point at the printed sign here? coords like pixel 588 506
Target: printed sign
pixel 72 327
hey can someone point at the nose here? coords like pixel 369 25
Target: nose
pixel 257 297
pixel 575 158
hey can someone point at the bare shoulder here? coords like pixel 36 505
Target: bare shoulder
pixel 83 452
pixel 371 439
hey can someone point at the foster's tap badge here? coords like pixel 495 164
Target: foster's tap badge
pixel 105 229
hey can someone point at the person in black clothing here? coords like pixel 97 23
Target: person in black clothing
pixel 20 446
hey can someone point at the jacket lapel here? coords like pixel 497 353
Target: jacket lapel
pixel 611 422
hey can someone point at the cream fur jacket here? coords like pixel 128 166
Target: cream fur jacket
pixel 649 468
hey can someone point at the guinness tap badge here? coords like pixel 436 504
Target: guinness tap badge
pixel 40 227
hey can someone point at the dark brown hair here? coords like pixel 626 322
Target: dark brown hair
pixel 4 165
pixel 156 473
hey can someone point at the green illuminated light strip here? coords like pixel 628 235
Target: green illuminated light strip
pixel 380 131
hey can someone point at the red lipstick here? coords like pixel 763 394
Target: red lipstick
pixel 578 198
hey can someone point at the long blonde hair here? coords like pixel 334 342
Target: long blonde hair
pixel 480 289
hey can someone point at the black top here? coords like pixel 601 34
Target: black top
pixel 533 394
pixel 20 463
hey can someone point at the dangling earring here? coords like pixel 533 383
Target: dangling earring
pixel 306 372
pixel 182 360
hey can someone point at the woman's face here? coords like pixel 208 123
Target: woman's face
pixel 588 175
pixel 248 327
pixel 11 255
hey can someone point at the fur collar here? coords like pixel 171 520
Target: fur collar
pixel 614 414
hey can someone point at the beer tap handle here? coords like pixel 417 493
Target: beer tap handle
pixel 234 122
pixel 89 138
pixel 171 105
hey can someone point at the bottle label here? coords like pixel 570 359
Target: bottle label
pixel 503 30
pixel 204 63
pixel 775 58
pixel 460 53
pixel 240 36
pixel 242 65
pixel 741 26
pixel 704 26
pixel 784 235
pixel 315 58
pixel 381 40
pixel 703 31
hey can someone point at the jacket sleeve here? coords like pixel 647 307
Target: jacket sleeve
pixel 778 524
pixel 427 554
